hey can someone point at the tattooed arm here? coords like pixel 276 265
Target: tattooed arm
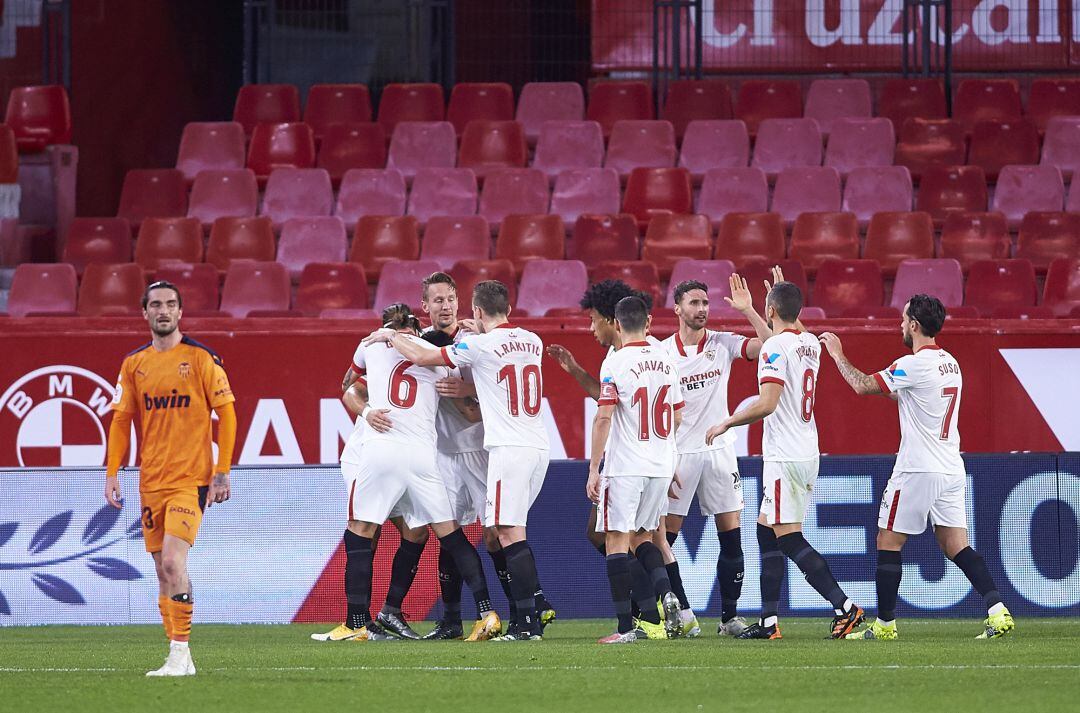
pixel 857 380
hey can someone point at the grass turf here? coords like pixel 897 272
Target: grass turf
pixel 936 665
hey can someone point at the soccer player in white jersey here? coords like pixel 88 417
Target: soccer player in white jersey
pixel 634 430
pixel 787 377
pixel 929 478
pixel 505 363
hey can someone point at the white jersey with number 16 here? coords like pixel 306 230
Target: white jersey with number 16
pixel 790 359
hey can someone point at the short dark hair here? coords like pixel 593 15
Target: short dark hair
pixel 400 316
pixel 686 286
pixel 492 297
pixel 632 314
pixel 786 298
pixel 928 312
pixel 603 296
pixel 161 285
pixel 437 278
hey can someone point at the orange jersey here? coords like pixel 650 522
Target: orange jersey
pixel 173 392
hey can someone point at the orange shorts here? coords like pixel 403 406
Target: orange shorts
pixel 177 512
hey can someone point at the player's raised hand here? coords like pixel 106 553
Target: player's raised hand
pixel 452 387
pixel 777 276
pixel 378 420
pixel 592 488
pixel 219 491
pixel 563 356
pixel 113 496
pixel 832 344
pixel 715 432
pixel 740 294
pixel 379 335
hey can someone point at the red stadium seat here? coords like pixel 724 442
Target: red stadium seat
pixel 811 313
pixel 714 273
pixel 529 237
pixel 348 146
pixel 761 99
pixel 599 238
pixel 1015 312
pixel 872 313
pixel 416 145
pixel 152 193
pixel 585 190
pixel 468 273
pixel 307 240
pixel 894 237
pixel 1053 97
pixel 541 102
pixel 278 146
pixel 733 190
pixel 645 144
pixel 657 191
pixel 800 190
pixel 228 193
pixel 9 156
pixel 638 274
pixel 197 282
pixel 330 104
pixel 714 144
pixel 104 240
pixel 873 190
pixel 690 100
pixel 484 101
pixel 963 312
pixel 490 145
pixel 953 189
pixel 925 143
pixel 787 143
pixel 831 100
pixel 1061 146
pixel 210 146
pixel 1072 202
pixel 163 240
pixel 996 144
pixel 671 238
pixel 750 237
pixel 551 284
pixel 448 239
pixel 903 99
pixel 255 287
pixel 1061 293
pixel 1045 236
pixel 756 272
pixel 297 193
pixel 967 237
pixel 939 278
pixel 380 240
pixel 39 117
pixel 42 289
pixel 848 285
pixel 1000 283
pixel 369 191
pixel 611 101
pixel 410 102
pixel 986 100
pixel 111 290
pixel 1022 189
pixel 513 190
pixel 567 145
pixel 266 104
pixel 442 191
pixel 400 282
pixel 331 285
pixel 859 143
pixel 240 239
pixel 817 237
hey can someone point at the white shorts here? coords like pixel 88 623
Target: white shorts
pixel 396 480
pixel 465 477
pixel 629 503
pixel 514 478
pixel 910 497
pixel 713 476
pixel 786 487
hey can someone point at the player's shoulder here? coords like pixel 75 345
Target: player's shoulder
pixel 136 355
pixel 201 349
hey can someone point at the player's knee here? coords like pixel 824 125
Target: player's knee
pixel 172 567
pixel 888 540
pixel 491 539
pixel 417 536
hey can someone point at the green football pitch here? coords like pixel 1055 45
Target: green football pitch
pixel 937 665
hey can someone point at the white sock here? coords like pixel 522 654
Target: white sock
pixel 770 621
pixel 178 644
pixel 996 609
pixel 885 622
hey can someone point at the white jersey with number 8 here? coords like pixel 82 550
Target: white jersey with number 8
pixel 790 359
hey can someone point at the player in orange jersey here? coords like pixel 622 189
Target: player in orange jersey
pixel 173 383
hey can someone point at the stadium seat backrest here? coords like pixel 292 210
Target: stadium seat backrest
pixel 9 156
pixel 996 144
pixel 240 239
pixel 893 237
pixel 714 273
pixel 297 193
pixel 1022 189
pixel 657 191
pixel 442 191
pixel 872 190
pixel 39 116
pixel 1000 283
pixel 756 272
pixel 902 99
pixel 331 285
pixel 551 284
pixel 306 240
pixel 1053 97
pixel 105 240
pixel 844 285
pixel 348 146
pixel 223 193
pixel 541 102
pixel 565 145
pixel 492 101
pixel 751 236
pixel 971 236
pixel 111 290
pixel 611 101
pixel 152 193
pixel 206 146
pixel 714 143
pixel 633 144
pixel 164 240
pixel 761 99
pixel 330 104
pixel 266 103
pixel 1061 147
pixel 986 100
pixel 1062 289
pixel 528 237
pixel 733 190
pixel 951 189
pixel 1045 236
pixel 42 288
pixel 513 190
pixel 382 239
pixel 670 238
pixel 197 282
pixel 255 286
pixel 941 278
pixel 490 145
pixel 858 143
pixel 829 100
pixel 422 144
pixel 639 274
pixel 930 142
pixel 400 282
pixel 277 146
pixel 468 273
pixel 816 237
pixel 787 143
pixel 370 191
pixel 448 239
pixel 585 190
pixel 599 238
pixel 410 102
pixel 799 190
pixel 691 100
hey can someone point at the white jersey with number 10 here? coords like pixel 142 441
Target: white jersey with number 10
pixel 791 359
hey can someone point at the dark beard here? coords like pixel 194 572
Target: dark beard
pixel 163 332
pixel 908 342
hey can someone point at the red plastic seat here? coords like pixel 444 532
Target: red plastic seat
pixel 1072 202
pixel 600 238
pixel 733 190
pixel 903 99
pixel 874 190
pixel 859 143
pixel 986 100
pixel 529 237
pixel 277 146
pixel 164 240
pixel 541 102
pixel 817 237
pixel 1015 312
pixel 567 145
pixel 941 278
pixel 448 239
pixel 749 237
pixel 369 191
pixel 348 146
pixel 872 313
pixel 9 156
pixel 996 144
pixel 611 101
pixel 330 104
pixel 967 237
pixel 585 190
pixel 468 273
pixel 152 193
pixel 1061 147
pixel 657 191
pixel 416 145
pixel 111 290
pixel 228 193
pixel 255 287
pixel 105 240
pixel 690 100
pixel 786 143
pixel 197 282
pixel 844 285
pixel 490 145
pixel 331 285
pixel 1000 283
pixel 1045 236
pixel 307 240
pixel 510 191
pixel 645 144
pixel 410 102
pixel 894 237
pixel 400 282
pixel 266 104
pixel 39 116
pixel 42 289
pixel 479 100
pixel 801 190
pixel 297 193
pixel 714 273
pixel 379 240
pixel 551 285
pixel 210 146
pixel 761 99
pixel 756 272
pixel 671 238
pixel 240 239
pixel 1053 97
pixel 1022 189
pixel 951 189
pixel 925 143
pixel 963 312
pixel 830 100
pixel 442 191
pixel 638 274
pixel 714 144
pixel 1061 293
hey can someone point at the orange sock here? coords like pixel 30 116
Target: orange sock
pixel 180 614
pixel 166 620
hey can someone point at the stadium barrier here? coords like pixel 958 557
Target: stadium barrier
pixel 272 554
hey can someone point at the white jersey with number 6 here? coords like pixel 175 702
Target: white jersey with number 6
pixel 927 385
pixel 790 359
pixel 407 390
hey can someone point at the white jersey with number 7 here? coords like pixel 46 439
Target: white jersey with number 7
pixel 790 359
